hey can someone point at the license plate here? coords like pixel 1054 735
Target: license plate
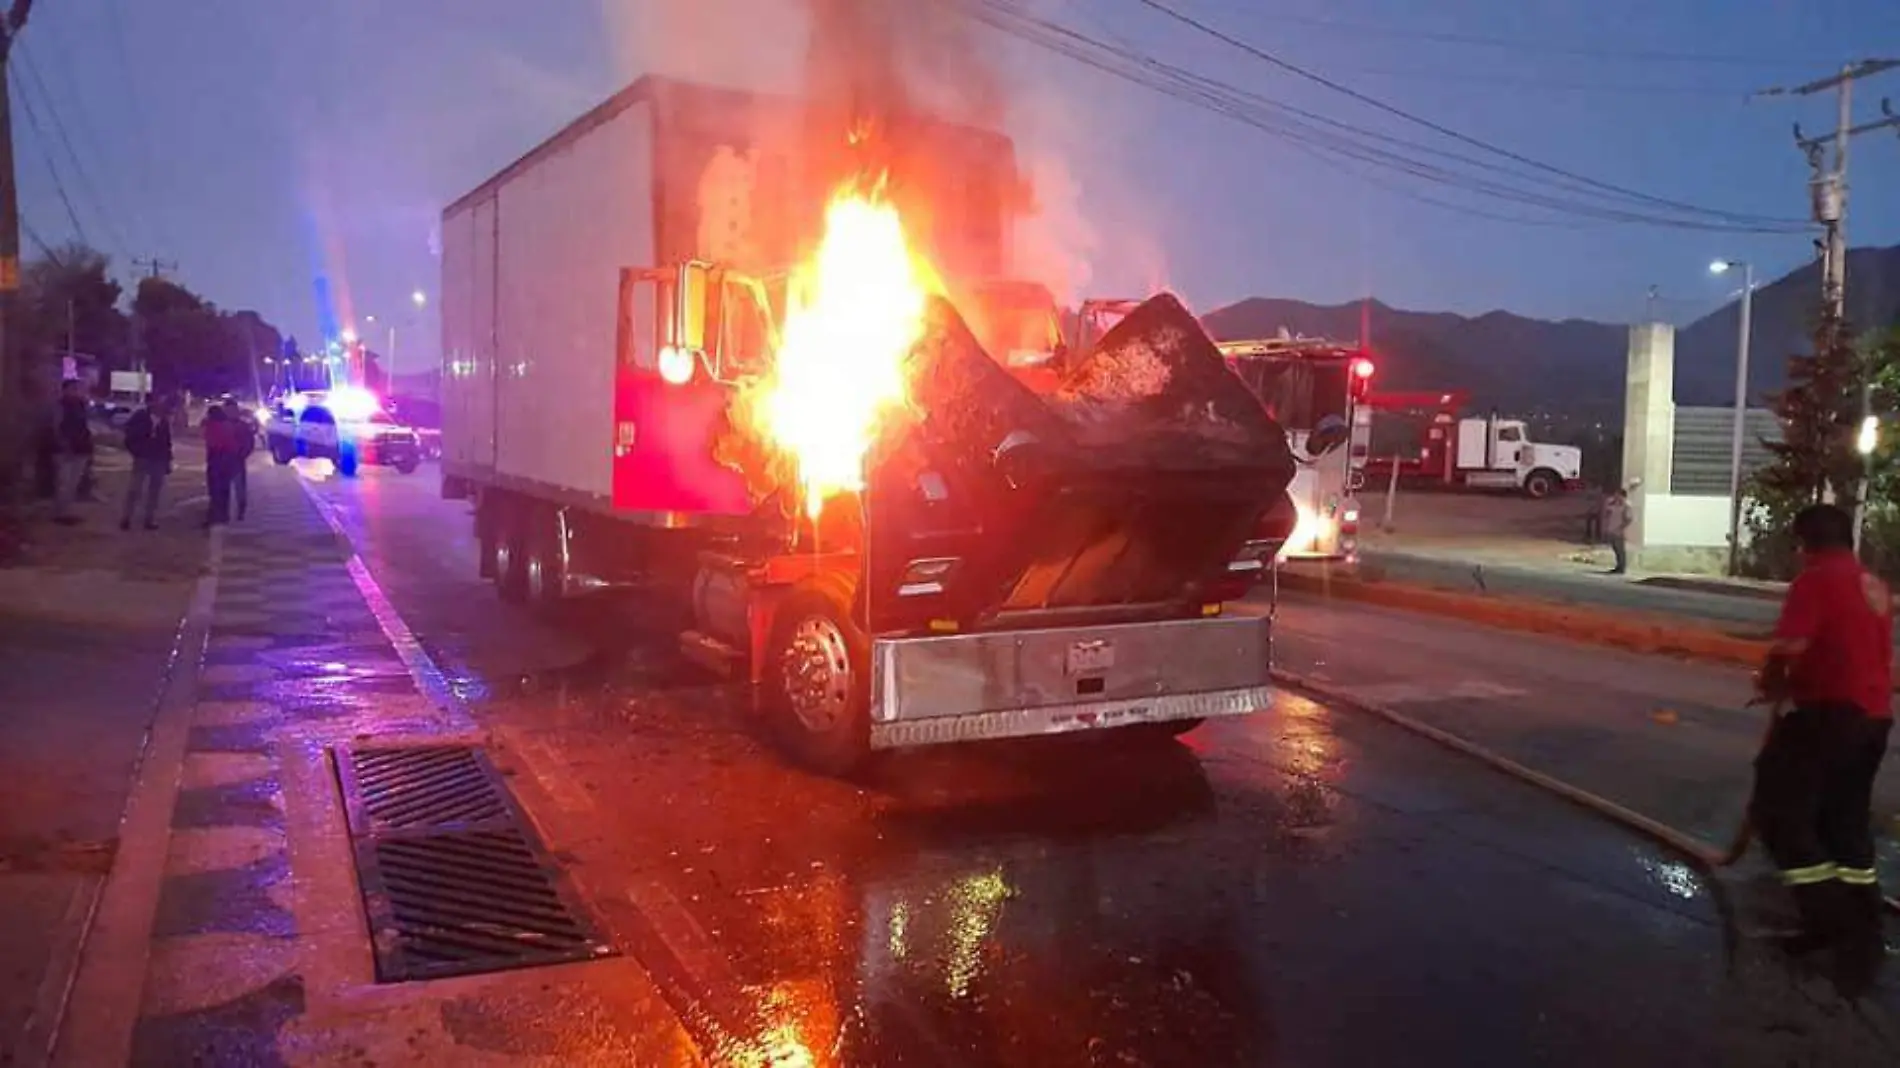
pixel 1091 658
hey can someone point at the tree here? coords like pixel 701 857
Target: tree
pixel 190 344
pixel 1816 459
pixel 256 341
pixel 68 298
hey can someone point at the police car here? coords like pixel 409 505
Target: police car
pixel 346 426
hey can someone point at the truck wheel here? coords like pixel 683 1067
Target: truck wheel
pixel 1541 484
pixel 407 465
pixel 511 565
pixel 818 692
pixel 282 452
pixel 541 562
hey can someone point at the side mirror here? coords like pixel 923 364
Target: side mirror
pixel 1330 434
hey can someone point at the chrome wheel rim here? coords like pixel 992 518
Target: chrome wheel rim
pixel 537 576
pixel 816 672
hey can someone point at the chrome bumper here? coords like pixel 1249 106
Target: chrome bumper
pixel 966 687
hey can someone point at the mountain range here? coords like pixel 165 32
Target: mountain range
pixel 1576 367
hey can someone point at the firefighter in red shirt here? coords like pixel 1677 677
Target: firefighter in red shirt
pixel 1832 662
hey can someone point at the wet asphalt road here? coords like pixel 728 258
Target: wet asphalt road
pixel 1306 886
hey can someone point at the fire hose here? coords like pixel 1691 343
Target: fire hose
pixel 1693 849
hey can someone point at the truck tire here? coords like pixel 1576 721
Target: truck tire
pixel 282 452
pixel 511 565
pixel 488 550
pixel 817 692
pixel 407 465
pixel 1541 483
pixel 541 560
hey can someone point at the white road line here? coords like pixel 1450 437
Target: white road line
pixel 422 667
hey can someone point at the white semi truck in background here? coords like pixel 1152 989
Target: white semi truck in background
pixel 606 297
pixel 1486 452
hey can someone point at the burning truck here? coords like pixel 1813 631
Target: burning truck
pixel 686 352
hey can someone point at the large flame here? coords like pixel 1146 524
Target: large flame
pixel 853 312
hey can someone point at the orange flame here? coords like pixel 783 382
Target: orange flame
pixel 853 312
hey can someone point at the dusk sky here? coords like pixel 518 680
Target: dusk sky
pixel 262 143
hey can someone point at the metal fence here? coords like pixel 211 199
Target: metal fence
pixel 1700 465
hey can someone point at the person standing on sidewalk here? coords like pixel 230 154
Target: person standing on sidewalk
pixel 1832 661
pixel 220 436
pixel 1617 518
pixel 245 437
pixel 73 450
pixel 148 440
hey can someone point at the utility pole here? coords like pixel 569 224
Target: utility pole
pixel 11 427
pixel 1828 190
pixel 153 268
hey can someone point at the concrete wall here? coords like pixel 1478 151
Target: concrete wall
pixel 1699 521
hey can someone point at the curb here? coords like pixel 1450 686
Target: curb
pixel 1696 851
pixel 1634 632
pixel 100 1005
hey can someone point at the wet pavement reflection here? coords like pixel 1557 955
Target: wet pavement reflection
pixel 1300 887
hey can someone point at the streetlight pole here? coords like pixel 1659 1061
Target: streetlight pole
pixel 1739 424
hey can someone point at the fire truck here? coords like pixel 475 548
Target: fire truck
pixel 1313 388
pixel 1022 555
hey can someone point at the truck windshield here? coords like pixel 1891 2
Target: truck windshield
pixel 1015 324
pixel 1298 393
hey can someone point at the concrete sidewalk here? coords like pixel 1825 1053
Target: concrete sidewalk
pixel 89 621
pixel 233 930
pixel 1579 577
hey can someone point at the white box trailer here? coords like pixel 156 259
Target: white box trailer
pixel 638 228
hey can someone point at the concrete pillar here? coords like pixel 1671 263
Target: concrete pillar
pixel 1649 417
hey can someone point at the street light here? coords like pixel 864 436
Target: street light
pixel 420 300
pixel 1741 406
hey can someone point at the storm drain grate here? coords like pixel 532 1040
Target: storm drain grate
pixel 454 881
pixel 435 786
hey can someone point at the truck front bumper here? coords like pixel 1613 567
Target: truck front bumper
pixel 1006 684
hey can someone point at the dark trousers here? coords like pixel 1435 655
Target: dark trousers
pixel 218 485
pixel 1619 550
pixel 241 484
pixel 1814 785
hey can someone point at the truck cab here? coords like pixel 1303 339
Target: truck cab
pixel 1494 453
pixel 992 578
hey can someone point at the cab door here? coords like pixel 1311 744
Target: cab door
pixel 668 408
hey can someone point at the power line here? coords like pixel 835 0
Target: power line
pixel 1439 128
pixel 83 179
pixel 1308 128
pixel 1546 85
pixel 1327 156
pixel 1527 44
pixel 1248 108
pixel 52 170
pixel 86 135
